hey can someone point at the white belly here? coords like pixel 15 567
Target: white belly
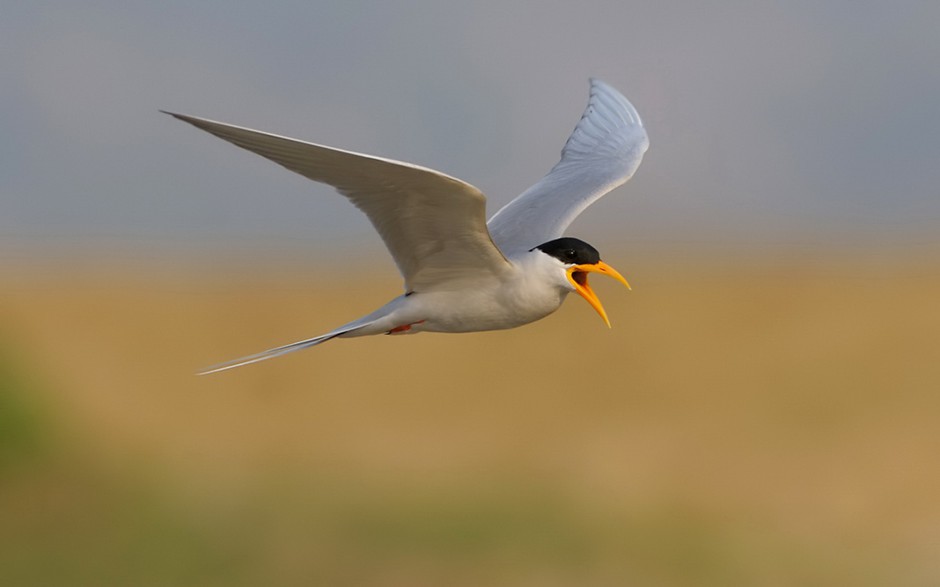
pixel 474 311
pixel 483 303
pixel 464 310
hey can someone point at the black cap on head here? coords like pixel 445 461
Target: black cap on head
pixel 571 251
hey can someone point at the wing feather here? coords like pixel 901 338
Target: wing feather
pixel 434 225
pixel 603 152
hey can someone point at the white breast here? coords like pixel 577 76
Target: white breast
pixel 532 290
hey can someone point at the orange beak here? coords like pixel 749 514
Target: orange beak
pixel 577 275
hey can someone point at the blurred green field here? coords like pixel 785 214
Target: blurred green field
pixel 742 424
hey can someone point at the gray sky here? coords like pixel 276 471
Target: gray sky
pixel 804 123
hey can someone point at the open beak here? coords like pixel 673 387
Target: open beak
pixel 578 277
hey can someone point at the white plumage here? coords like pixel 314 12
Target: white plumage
pixel 461 273
pixel 602 153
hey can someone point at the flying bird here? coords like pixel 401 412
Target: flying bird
pixel 463 273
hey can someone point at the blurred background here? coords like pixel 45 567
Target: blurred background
pixel 764 411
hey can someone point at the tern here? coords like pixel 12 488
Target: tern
pixel 463 273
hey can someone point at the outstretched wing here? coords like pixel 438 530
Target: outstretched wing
pixel 602 153
pixel 434 225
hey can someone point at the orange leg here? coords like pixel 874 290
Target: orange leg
pixel 403 328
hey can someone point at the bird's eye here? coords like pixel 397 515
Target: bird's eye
pixel 570 254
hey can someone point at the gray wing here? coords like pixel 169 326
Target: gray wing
pixel 602 153
pixel 434 225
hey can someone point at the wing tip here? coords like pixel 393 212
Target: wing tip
pixel 599 90
pixel 608 113
pixel 201 123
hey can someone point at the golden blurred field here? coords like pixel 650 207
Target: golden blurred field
pixel 744 423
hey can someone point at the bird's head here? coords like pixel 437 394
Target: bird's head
pixel 578 259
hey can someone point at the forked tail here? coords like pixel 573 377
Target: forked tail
pixel 287 348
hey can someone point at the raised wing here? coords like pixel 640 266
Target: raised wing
pixel 602 153
pixel 434 225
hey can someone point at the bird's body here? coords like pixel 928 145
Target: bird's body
pixel 461 273
pixel 523 294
